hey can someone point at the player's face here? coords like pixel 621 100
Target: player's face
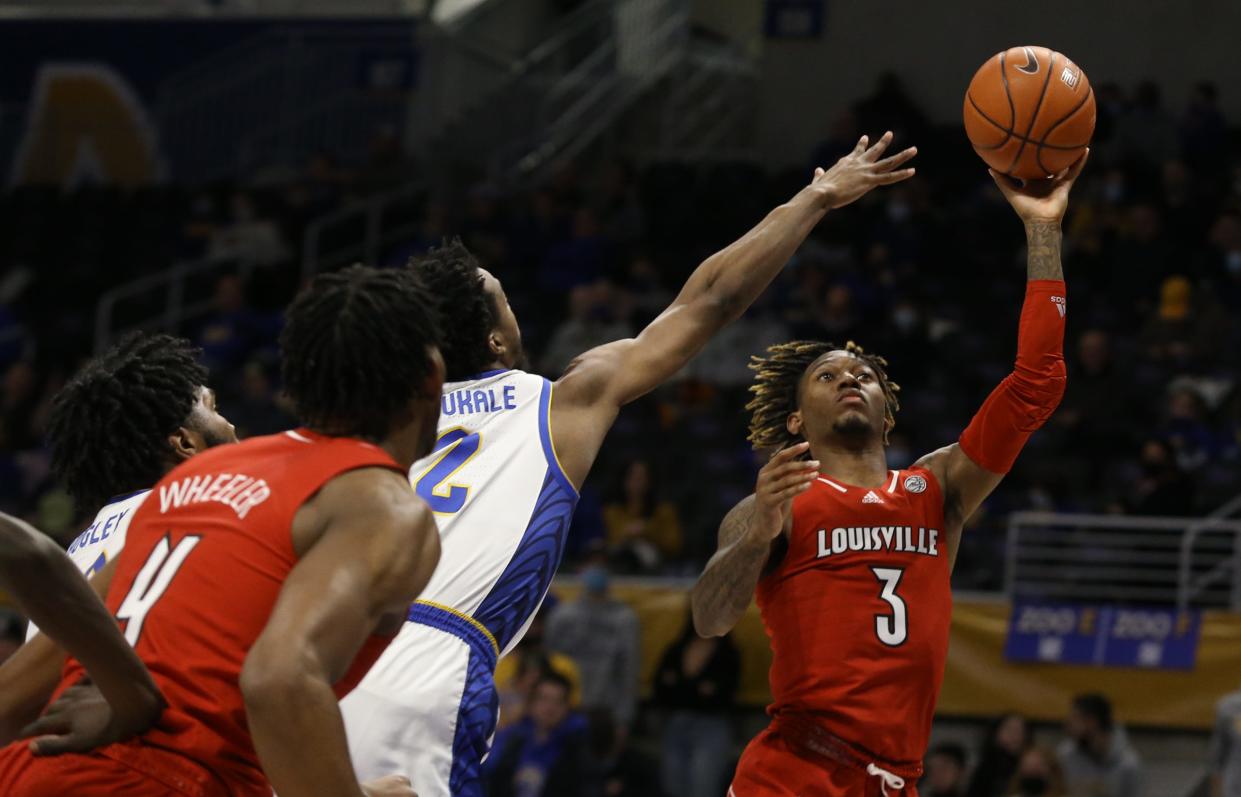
pixel 206 422
pixel 506 337
pixel 841 397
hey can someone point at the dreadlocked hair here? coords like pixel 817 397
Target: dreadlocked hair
pixel 467 312
pixel 354 350
pixel 109 426
pixel 777 377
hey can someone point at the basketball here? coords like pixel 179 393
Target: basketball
pixel 1029 112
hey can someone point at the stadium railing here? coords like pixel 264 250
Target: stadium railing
pixel 1186 562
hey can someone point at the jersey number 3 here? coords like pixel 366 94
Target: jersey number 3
pixel 892 629
pixel 151 583
pixel 453 449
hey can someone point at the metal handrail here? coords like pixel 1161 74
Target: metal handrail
pixel 175 310
pixel 371 208
pixel 1185 594
pixel 1168 540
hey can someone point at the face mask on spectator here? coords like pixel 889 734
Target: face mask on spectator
pixel 595 579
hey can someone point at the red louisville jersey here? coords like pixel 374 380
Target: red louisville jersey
pixel 206 556
pixel 858 612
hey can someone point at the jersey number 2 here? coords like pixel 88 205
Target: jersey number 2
pixel 454 448
pixel 892 629
pixel 151 583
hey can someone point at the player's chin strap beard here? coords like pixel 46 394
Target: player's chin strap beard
pixel 890 781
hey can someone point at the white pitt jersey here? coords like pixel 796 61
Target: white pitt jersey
pixel 501 499
pixel 103 539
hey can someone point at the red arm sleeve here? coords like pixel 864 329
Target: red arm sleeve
pixel 1028 396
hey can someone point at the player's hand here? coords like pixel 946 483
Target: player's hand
pixel 388 786
pixel 782 479
pixel 861 170
pixel 1040 200
pixel 81 720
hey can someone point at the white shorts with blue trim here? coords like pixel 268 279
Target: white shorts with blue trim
pixel 428 713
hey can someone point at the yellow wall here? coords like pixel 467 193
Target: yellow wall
pixel 978 681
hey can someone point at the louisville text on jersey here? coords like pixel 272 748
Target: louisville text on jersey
pixel 894 539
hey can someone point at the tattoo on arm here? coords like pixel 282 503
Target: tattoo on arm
pixel 1043 258
pixel 726 586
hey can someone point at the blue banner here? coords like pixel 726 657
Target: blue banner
pixel 1103 636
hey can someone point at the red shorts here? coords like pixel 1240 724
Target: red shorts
pixel 145 772
pixel 770 767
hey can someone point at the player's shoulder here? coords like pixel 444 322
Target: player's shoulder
pixel 918 481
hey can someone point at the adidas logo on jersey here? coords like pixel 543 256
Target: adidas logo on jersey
pixel 872 498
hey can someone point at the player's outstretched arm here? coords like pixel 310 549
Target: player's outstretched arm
pixel 603 379
pixel 53 594
pixel 368 546
pixel 971 468
pixel 747 534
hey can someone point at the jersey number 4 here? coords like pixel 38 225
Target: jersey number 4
pixel 453 449
pixel 151 583
pixel 892 629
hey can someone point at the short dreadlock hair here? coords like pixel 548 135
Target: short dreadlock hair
pixel 467 312
pixel 354 350
pixel 109 426
pixel 778 377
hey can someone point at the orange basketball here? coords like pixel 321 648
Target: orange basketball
pixel 1029 112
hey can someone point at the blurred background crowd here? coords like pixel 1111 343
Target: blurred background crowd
pixel 929 274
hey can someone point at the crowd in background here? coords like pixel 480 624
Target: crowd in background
pixel 929 273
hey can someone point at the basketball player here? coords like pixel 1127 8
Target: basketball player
pixel 256 580
pixel 48 589
pixel 123 421
pixel 512 451
pixel 852 560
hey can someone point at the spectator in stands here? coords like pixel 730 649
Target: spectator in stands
pixel 595 318
pixel 1204 131
pixel 518 672
pixel 696 683
pixel 1187 427
pixel 546 753
pixel 1040 775
pixel 1146 132
pixel 1162 488
pixel 643 530
pixel 1087 416
pixel 230 333
pixel 1225 256
pixel 623 770
pixel 725 361
pixel 1007 738
pixel 256 411
pixel 1185 329
pixel 600 634
pixel 1097 759
pixel 1225 755
pixel 576 261
pixel 19 404
pixel 945 772
pixel 247 238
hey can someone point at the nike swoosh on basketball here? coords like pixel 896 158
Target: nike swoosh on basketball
pixel 1031 65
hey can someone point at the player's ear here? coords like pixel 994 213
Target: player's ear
pixel 185 443
pixel 496 342
pixel 793 424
